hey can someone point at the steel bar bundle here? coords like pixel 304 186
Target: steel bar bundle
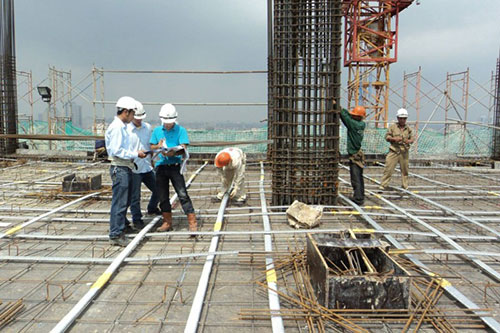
pixel 304 86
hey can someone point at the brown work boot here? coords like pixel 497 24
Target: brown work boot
pixel 167 223
pixel 193 226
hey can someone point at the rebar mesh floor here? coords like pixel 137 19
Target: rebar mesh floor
pixel 50 264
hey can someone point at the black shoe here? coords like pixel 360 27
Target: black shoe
pixel 357 202
pixel 128 229
pixel 138 225
pixel 156 211
pixel 119 241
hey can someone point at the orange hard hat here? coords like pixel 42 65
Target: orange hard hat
pixel 358 111
pixel 222 159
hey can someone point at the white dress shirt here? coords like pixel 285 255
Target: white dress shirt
pixel 117 141
pixel 139 140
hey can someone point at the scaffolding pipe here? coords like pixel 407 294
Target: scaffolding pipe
pixel 82 304
pixel 196 307
pixel 250 233
pixel 150 259
pixel 446 285
pixel 274 301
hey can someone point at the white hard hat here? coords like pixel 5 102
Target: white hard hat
pixel 140 113
pixel 168 114
pixel 402 113
pixel 126 102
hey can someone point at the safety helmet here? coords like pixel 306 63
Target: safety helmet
pixel 126 102
pixel 140 113
pixel 222 159
pixel 402 113
pixel 168 114
pixel 358 111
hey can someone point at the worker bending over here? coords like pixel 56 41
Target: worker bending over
pixel 400 136
pixel 355 125
pixel 230 164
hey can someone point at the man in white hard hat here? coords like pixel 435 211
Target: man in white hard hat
pixel 171 134
pixel 230 164
pixel 140 134
pixel 122 163
pixel 400 137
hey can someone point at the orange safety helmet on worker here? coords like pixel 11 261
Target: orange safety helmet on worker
pixel 358 111
pixel 222 159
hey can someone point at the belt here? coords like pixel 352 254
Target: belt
pixel 169 165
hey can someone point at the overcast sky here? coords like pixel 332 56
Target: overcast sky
pixel 439 35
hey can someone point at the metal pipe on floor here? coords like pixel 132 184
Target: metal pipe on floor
pixel 150 259
pixel 251 232
pixel 70 317
pixel 274 301
pixel 196 307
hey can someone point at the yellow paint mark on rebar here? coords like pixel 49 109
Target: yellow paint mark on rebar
pixel 444 283
pixel 363 231
pixel 101 281
pixel 399 251
pixel 377 195
pixel 262 177
pixel 334 212
pixel 494 193
pixel 13 230
pixel 217 226
pixel 416 192
pixel 271 275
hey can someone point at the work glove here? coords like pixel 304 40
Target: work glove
pixel 233 192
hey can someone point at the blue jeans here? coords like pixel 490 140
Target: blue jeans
pixel 121 178
pixel 164 174
pixel 149 179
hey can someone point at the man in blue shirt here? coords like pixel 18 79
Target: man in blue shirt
pixel 169 135
pixel 122 163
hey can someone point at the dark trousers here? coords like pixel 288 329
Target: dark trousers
pixel 171 173
pixel 357 182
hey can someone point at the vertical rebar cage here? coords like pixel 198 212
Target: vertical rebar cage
pixel 8 91
pixel 496 132
pixel 304 82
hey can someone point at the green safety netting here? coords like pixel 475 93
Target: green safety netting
pixel 474 141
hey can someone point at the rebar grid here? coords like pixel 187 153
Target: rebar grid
pixel 130 296
pixel 304 83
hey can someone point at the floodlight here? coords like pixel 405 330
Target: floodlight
pixel 45 93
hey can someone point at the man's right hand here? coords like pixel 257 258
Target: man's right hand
pixel 141 154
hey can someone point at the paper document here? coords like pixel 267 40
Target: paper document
pixel 179 150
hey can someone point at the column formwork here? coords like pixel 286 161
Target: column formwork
pixel 304 91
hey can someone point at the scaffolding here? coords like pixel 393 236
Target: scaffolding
pixel 304 84
pixel 370 46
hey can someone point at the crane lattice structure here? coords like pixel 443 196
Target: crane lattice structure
pixel 370 46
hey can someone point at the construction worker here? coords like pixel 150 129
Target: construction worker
pixel 171 134
pixel 355 125
pixel 400 136
pixel 140 134
pixel 122 163
pixel 230 164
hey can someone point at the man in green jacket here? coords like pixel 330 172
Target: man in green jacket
pixel 355 125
